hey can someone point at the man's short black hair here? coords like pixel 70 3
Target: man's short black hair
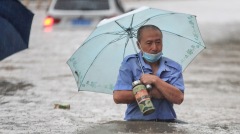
pixel 139 32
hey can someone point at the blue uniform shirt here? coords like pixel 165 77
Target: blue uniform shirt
pixel 169 71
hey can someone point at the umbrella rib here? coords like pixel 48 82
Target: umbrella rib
pixel 131 21
pixel 183 37
pixel 112 33
pixel 135 28
pixel 117 33
pixel 117 39
pixel 98 55
pixel 172 32
pixel 125 29
pixel 145 21
pixel 125 46
pixel 142 23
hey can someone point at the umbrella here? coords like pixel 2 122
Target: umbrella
pixel 15 23
pixel 96 62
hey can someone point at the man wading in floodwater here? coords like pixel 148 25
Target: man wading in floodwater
pixel 163 74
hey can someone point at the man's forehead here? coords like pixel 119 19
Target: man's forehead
pixel 152 34
pixel 148 31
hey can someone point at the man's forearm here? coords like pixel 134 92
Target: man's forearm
pixel 170 92
pixel 155 93
pixel 123 96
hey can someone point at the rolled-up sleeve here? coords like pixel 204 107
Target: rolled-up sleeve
pixel 177 80
pixel 173 73
pixel 125 78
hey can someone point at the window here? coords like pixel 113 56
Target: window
pixel 82 5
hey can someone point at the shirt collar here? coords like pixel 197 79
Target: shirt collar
pixel 163 66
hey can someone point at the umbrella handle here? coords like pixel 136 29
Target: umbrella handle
pixel 149 87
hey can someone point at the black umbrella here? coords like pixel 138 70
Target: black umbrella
pixel 15 26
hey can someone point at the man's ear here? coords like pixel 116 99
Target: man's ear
pixel 138 44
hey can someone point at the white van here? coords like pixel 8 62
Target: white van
pixel 81 12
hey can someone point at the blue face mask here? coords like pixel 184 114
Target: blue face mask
pixel 152 57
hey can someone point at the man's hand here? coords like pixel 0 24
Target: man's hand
pixel 154 93
pixel 170 92
pixel 148 79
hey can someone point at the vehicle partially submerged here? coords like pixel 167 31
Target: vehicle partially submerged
pixel 71 13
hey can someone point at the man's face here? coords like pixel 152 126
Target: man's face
pixel 151 41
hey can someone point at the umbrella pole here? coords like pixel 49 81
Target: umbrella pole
pixel 148 86
pixel 140 64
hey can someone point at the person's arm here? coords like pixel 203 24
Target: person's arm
pixel 123 96
pixel 155 93
pixel 169 92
